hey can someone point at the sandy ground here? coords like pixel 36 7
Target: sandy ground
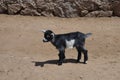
pixel 23 55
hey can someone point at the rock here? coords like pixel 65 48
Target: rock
pixel 87 5
pixel 1 10
pixel 103 4
pixel 3 7
pixel 105 7
pixel 11 1
pixel 116 8
pixel 84 12
pixel 29 4
pixel 98 1
pixel 47 14
pixel 31 12
pixel 100 14
pixel 68 10
pixel 14 8
pixel 61 8
pixel 58 11
pixel 46 9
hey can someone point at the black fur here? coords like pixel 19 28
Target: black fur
pixel 59 41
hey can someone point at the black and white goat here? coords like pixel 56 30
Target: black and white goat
pixel 68 40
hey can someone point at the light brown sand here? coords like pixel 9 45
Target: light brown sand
pixel 23 55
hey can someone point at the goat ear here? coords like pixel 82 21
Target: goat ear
pixel 43 31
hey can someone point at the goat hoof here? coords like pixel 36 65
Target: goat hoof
pixel 85 62
pixel 59 63
pixel 77 61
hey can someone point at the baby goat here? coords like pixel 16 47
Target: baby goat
pixel 68 40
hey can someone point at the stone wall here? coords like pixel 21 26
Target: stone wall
pixel 61 8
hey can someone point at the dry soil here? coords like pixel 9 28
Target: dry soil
pixel 23 55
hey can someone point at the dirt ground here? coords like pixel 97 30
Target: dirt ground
pixel 23 55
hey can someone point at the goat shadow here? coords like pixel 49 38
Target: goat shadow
pixel 37 63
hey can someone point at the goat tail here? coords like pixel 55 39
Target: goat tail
pixel 88 35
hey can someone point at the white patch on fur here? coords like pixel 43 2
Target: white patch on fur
pixel 70 44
